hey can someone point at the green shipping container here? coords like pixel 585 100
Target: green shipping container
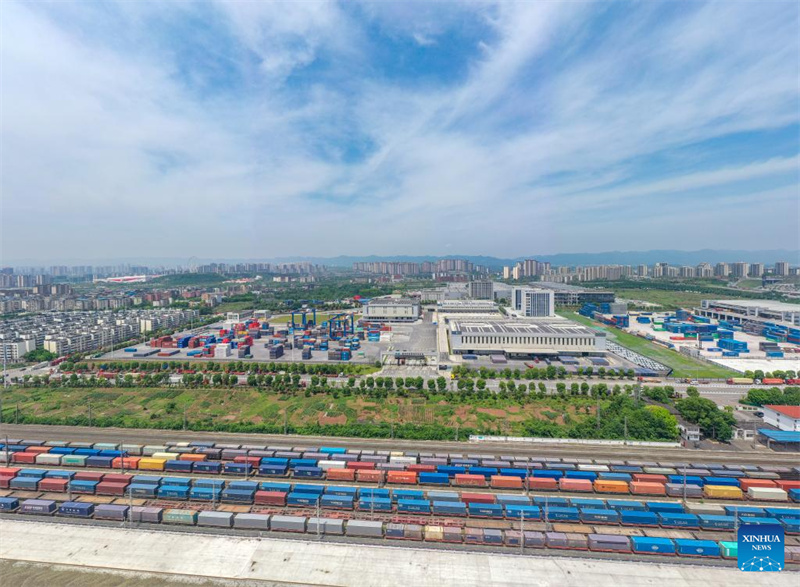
pixel 74 460
pixel 729 549
pixel 175 516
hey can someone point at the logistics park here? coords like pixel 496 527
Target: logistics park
pixel 625 509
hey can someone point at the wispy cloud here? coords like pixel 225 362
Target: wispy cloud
pixel 508 128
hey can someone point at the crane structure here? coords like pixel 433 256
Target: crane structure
pixel 341 326
pixel 304 321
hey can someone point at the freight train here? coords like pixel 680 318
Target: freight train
pixel 696 480
pixel 371 529
pixel 450 504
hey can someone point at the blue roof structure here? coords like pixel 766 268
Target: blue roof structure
pixel 784 437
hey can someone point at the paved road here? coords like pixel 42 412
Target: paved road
pixel 672 455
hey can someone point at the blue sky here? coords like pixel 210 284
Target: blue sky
pixel 266 129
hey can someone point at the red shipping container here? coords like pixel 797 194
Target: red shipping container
pixel 5 481
pixel 111 488
pixel 23 457
pixel 117 478
pixel 787 485
pixel 341 474
pixel 466 480
pixel 52 484
pixel 125 463
pixel 270 498
pixel 646 488
pixel 542 483
pixel 582 485
pixel 88 476
pixel 402 477
pixel 419 468
pixel 745 484
pixel 9 471
pixel 358 465
pixel 649 478
pixel 254 461
pixel 477 498
pixel 506 482
pixel 38 449
pixel 370 476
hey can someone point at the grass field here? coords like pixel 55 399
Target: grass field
pixel 233 307
pixel 682 365
pixel 749 283
pixel 164 408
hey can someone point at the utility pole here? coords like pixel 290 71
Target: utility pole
pixel 16 414
pixel 184 417
pixel 90 414
pixel 8 462
pixel 285 421
pixel 625 424
pixel 130 508
pixel 598 412
pixel 5 383
pixel 684 485
pixel 456 431
pixel 522 531
pixel 319 519
pixel 546 514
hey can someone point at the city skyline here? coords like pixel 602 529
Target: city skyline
pixel 228 129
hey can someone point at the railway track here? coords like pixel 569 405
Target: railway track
pixel 130 435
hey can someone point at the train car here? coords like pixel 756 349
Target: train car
pixel 652 545
pixel 413 506
pixel 671 520
pixel 697 548
pixel 76 509
pixel 180 517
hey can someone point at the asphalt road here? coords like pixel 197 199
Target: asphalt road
pixel 673 455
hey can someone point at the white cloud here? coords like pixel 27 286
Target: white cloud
pixel 138 146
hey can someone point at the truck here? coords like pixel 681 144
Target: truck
pixel 772 381
pixel 740 381
pixel 648 380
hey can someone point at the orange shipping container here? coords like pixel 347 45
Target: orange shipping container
pixel 506 482
pixel 402 477
pixel 341 474
pixel 126 463
pixel 583 485
pixel 369 476
pixel 645 488
pixel 466 480
pixel 38 449
pixel 190 456
pixel 542 483
pixel 607 486
pixel 420 468
pixel 746 484
pixel 649 478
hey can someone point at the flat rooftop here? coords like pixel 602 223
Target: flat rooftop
pixel 567 287
pixel 467 304
pixel 391 302
pixel 766 304
pixel 527 327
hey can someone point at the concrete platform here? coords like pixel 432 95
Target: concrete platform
pixel 311 563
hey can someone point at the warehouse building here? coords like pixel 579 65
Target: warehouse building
pixel 750 310
pixel 467 307
pixel 573 295
pixel 518 339
pixel 390 309
pixel 533 303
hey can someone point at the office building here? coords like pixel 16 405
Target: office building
pixel 533 303
pixel 480 289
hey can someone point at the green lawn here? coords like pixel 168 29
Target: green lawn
pixel 668 299
pixel 682 365
pixel 749 283
pixel 321 317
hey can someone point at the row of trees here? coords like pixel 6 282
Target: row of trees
pixel 218 367
pixel 788 396
pixel 714 423
pixel 778 374
pixel 544 372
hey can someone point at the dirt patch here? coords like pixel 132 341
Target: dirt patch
pixel 493 412
pixel 326 420
pixel 257 420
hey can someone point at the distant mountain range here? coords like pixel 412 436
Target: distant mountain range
pixel 673 257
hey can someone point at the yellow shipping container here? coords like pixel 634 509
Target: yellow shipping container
pixel 152 464
pixel 722 492
pixel 434 533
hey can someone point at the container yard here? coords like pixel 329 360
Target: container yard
pixel 742 348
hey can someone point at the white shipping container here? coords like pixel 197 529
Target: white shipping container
pixel 47 459
pixel 325 465
pixel 132 449
pixel 170 456
pixel 767 494
pixel 594 468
